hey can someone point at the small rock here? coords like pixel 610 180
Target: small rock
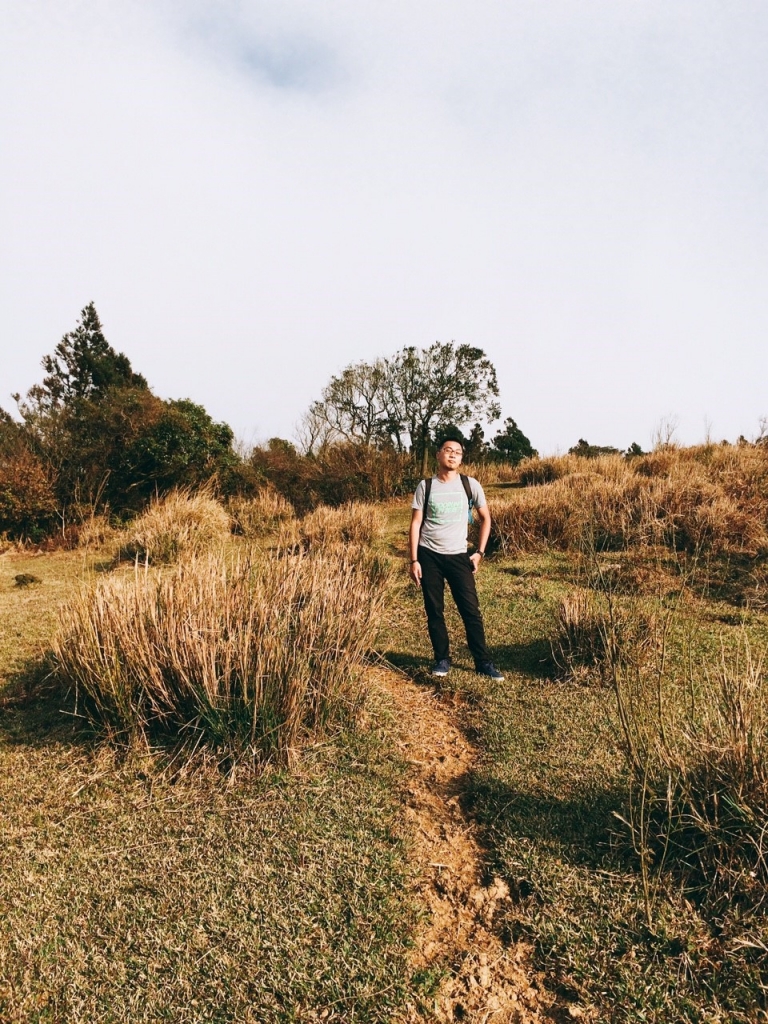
pixel 25 579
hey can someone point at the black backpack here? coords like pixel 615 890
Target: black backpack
pixel 467 491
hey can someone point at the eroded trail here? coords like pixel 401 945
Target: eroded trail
pixel 490 979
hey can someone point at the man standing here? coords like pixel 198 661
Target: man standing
pixel 438 553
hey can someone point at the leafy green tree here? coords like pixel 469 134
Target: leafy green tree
pixel 591 451
pixel 401 401
pixel 511 445
pixel 353 404
pixel 100 434
pixel 147 445
pixel 443 383
pixel 476 447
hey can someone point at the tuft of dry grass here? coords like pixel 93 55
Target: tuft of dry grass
pixel 697 750
pixel 179 524
pixel 96 532
pixel 354 524
pixel 250 658
pixel 594 634
pixel 490 473
pixel 253 517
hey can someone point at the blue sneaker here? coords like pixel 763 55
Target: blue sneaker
pixel 488 669
pixel 442 667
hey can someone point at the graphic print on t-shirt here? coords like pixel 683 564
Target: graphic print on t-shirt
pixel 449 509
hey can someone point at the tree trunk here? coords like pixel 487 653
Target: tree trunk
pixel 425 453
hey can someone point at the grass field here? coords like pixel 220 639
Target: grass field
pixel 136 891
pixel 552 783
pixel 141 890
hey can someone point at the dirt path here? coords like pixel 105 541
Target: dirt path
pixel 490 981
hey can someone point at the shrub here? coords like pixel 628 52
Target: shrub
pixel 250 658
pixel 27 501
pixel 337 474
pixel 179 524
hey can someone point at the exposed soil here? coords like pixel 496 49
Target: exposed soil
pixel 490 979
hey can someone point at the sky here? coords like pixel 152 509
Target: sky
pixel 256 194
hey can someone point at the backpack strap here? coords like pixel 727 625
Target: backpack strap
pixel 427 492
pixel 467 490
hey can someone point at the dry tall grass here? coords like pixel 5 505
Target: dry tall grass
pixel 698 755
pixel 594 634
pixel 710 499
pixel 356 524
pixel 253 517
pixel 96 532
pixel 250 658
pixel 489 473
pixel 179 524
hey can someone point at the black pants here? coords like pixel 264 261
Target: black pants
pixel 436 569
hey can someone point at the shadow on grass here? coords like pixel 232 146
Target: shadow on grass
pixel 532 659
pixel 412 665
pixel 577 828
pixel 36 711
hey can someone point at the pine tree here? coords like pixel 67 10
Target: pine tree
pixel 83 366
pixel 511 444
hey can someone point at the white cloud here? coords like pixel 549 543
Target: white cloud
pixel 256 194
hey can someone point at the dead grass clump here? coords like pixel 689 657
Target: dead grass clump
pixel 593 635
pixel 355 523
pixel 250 659
pixel 180 523
pixel 96 532
pixel 562 514
pixel 699 760
pixel 537 517
pixel 686 502
pixel 6 544
pixel 253 517
pixel 656 463
pixel 688 511
pixel 536 471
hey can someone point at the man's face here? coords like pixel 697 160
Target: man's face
pixel 449 456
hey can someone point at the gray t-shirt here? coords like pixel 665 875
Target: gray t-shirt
pixel 444 526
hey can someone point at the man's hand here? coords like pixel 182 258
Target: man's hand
pixel 475 559
pixel 415 573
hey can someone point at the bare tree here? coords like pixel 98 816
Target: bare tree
pixel 402 400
